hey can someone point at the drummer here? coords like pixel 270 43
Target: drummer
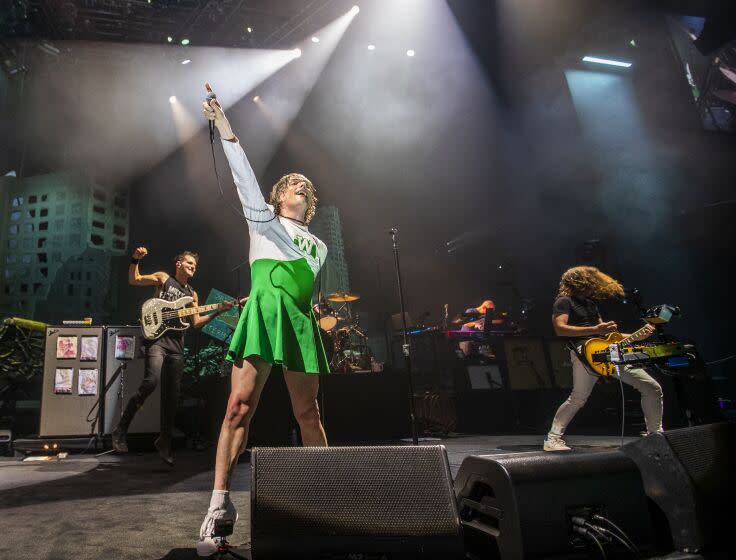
pixel 476 319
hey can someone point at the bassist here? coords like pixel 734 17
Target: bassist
pixel 165 355
pixel 575 316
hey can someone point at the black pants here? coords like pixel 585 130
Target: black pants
pixel 164 366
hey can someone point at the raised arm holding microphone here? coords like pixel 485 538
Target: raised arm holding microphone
pixel 277 326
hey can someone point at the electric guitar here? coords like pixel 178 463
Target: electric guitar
pixel 159 315
pixel 594 348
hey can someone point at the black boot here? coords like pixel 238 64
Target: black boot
pixel 119 441
pixel 119 435
pixel 163 445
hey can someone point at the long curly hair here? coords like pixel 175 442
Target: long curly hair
pixel 589 282
pixel 280 187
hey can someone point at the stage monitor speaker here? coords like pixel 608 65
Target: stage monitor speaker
pixel 526 363
pixel 559 356
pixel 148 419
pixel 521 505
pixel 689 473
pixel 392 502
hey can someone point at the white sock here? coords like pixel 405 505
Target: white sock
pixel 219 499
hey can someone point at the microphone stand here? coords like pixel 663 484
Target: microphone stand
pixel 405 345
pixel 236 270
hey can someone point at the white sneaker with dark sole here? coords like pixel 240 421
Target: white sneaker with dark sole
pixel 555 444
pixel 209 544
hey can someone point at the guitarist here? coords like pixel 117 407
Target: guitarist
pixel 575 315
pixel 165 355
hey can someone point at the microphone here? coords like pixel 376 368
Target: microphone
pixel 210 96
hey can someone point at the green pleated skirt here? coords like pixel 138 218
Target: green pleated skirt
pixel 277 323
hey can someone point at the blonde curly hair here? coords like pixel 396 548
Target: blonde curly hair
pixel 589 282
pixel 280 187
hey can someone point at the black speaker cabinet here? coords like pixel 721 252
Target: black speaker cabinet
pixel 521 505
pixel 689 473
pixel 390 502
pixel 148 419
pixel 73 377
pixel 526 363
pixel 559 355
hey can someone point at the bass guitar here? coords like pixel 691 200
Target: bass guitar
pixel 595 348
pixel 159 315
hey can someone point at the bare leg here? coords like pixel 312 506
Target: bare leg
pixel 247 381
pixel 303 388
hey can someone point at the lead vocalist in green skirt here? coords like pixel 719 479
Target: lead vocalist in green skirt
pixel 277 326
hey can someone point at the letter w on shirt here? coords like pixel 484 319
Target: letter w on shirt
pixel 306 245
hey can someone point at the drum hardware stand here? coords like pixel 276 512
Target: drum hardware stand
pixel 350 341
pixel 405 345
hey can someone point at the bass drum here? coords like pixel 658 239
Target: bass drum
pixel 328 344
pixel 325 317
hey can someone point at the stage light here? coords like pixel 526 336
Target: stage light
pixel 172 99
pixel 55 446
pixel 46 446
pixel 315 39
pixel 185 42
pixel 257 98
pixel 410 52
pixel 169 38
pixel 355 10
pixel 371 47
pixel 606 61
pixel 249 30
pixel 297 52
pixel 187 61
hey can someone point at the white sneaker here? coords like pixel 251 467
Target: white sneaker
pixel 207 544
pixel 555 443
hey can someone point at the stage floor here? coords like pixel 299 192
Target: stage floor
pixel 135 507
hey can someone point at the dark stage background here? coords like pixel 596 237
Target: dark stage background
pixel 494 151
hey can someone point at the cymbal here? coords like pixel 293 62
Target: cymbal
pixel 343 296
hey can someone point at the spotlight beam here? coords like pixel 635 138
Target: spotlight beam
pixel 132 85
pixel 279 109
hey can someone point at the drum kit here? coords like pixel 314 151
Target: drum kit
pixel 346 343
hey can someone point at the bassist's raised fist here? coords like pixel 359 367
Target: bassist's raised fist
pixel 140 252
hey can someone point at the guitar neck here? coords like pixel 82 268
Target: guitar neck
pixel 185 312
pixel 632 337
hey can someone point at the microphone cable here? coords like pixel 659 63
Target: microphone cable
pixel 238 211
